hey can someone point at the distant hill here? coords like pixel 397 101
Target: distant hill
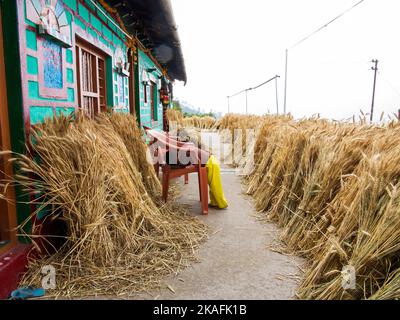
pixel 187 108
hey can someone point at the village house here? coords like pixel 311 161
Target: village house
pixel 60 56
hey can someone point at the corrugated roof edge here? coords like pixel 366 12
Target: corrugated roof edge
pixel 166 4
pixel 157 18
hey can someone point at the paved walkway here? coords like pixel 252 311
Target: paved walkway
pixel 236 262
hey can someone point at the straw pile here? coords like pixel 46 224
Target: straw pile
pixel 92 178
pixel 176 119
pixel 199 122
pixel 126 127
pixel 239 130
pixel 174 116
pixel 334 188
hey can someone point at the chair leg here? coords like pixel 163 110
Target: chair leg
pixel 186 178
pixel 165 184
pixel 199 179
pixel 204 190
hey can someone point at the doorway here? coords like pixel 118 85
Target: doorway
pixel 8 218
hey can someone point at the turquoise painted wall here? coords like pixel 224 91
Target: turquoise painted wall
pixel 91 24
pixel 145 63
pixel 25 63
pixel 28 105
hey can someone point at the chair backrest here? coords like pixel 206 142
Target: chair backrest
pixel 197 155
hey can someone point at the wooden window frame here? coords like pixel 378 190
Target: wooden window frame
pixel 153 102
pixel 99 83
pixel 145 93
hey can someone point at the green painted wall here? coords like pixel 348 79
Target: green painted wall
pixel 71 4
pixel 101 29
pixel 97 25
pixel 28 106
pixel 145 63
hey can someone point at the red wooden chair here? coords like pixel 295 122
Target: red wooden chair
pixel 197 160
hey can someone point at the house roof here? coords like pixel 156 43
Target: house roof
pixel 153 23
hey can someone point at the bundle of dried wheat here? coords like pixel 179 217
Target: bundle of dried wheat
pixel 334 189
pixel 117 240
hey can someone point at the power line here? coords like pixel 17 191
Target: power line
pixel 326 24
pixel 236 94
pixel 254 88
pixel 389 83
pixel 265 82
pixel 250 89
pixel 306 38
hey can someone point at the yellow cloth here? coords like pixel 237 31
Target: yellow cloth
pixel 217 198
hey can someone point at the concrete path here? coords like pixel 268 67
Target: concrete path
pixel 236 262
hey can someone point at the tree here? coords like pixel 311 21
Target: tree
pixel 176 105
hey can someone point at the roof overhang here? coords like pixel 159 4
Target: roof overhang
pixel 152 23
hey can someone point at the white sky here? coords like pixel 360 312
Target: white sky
pixel 230 45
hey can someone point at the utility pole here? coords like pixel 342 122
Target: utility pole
pixel 228 104
pixel 276 94
pixel 308 37
pixel 286 72
pixel 375 68
pixel 246 102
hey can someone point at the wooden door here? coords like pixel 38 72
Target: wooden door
pixel 8 218
pixel 91 79
pixel 153 102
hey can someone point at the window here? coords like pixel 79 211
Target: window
pixel 121 89
pixel 145 93
pixel 91 79
pixel 153 101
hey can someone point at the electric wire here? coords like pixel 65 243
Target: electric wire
pixel 327 24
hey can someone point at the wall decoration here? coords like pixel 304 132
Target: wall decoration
pixel 121 64
pixel 145 77
pixel 52 75
pixel 52 65
pixel 51 19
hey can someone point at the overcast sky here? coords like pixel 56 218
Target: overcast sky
pixel 230 45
